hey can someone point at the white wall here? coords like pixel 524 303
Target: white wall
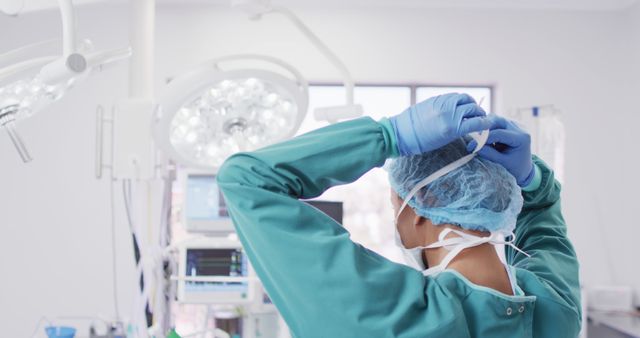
pixel 55 215
pixel 55 218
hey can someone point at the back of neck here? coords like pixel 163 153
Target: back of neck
pixel 480 265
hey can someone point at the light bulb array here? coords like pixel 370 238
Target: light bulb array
pixel 230 116
pixel 30 95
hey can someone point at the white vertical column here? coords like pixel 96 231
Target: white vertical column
pixel 68 27
pixel 143 43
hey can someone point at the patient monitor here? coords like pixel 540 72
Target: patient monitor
pixel 215 271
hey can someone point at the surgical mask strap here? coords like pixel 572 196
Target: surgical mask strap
pixel 481 140
pixel 512 244
pixel 455 245
pixel 457 250
pixel 451 255
pixel 465 241
pixel 475 240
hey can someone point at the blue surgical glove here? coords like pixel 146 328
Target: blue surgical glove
pixel 509 146
pixel 437 122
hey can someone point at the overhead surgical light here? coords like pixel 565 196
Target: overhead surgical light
pixel 211 112
pixel 28 85
pixel 255 9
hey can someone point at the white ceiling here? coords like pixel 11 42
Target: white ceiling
pixel 582 5
pixel 598 5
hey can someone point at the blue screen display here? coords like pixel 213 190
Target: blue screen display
pixel 203 199
pixel 216 262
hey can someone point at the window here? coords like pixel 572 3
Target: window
pixel 367 210
pixel 377 101
pixel 483 94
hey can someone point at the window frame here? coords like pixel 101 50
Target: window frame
pixel 413 87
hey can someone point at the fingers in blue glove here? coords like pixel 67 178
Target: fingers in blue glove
pixel 497 126
pixel 458 104
pixel 469 110
pixel 437 121
pixel 510 148
pixel 474 124
pixel 497 122
pixel 458 98
pixel 464 98
pixel 507 137
pixel 492 154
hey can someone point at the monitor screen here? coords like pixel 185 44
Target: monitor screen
pixel 216 263
pixel 333 209
pixel 203 199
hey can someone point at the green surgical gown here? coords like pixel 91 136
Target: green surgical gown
pixel 327 286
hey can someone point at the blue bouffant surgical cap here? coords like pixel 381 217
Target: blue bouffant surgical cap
pixel 480 195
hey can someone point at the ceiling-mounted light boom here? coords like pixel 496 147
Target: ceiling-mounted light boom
pixel 30 84
pixel 257 8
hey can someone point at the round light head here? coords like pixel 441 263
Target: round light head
pixel 29 91
pixel 208 115
pixel 31 95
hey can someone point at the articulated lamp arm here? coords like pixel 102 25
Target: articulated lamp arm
pixel 257 8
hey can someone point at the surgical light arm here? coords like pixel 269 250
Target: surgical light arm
pixel 7 120
pixel 257 8
pixel 68 27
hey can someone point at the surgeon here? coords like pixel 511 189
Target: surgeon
pixel 458 193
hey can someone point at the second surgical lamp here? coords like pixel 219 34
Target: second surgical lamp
pixel 29 85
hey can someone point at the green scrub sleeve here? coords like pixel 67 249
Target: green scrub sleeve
pixel 393 141
pixel 323 284
pixel 536 181
pixel 542 233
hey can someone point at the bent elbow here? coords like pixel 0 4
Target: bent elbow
pixel 230 169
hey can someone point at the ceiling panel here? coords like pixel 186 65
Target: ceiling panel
pixel 589 5
pixel 594 5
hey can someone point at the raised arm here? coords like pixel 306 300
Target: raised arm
pixel 540 231
pixel 323 284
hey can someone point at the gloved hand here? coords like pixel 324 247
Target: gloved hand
pixel 437 122
pixel 509 146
